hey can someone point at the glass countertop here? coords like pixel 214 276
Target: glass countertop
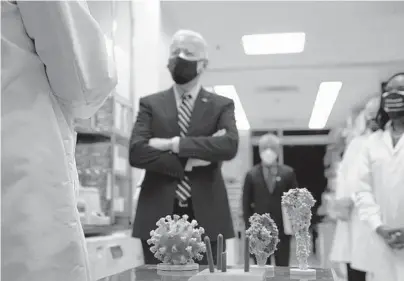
pixel 150 273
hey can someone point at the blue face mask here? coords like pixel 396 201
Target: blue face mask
pixel 393 104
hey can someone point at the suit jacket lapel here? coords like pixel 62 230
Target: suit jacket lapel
pixel 171 111
pixel 202 102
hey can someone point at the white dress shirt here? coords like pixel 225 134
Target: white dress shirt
pixel 193 93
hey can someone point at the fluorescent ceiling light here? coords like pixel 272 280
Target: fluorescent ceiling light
pixel 326 97
pixel 274 43
pixel 229 91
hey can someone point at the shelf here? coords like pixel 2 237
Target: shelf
pixel 101 157
pixel 90 135
pixel 98 230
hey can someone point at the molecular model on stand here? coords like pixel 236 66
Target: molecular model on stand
pixel 298 203
pixel 263 237
pixel 177 242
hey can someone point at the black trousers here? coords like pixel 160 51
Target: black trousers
pixel 149 256
pixel 281 255
pixel 355 275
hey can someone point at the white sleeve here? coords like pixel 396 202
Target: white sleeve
pixel 365 202
pixel 343 189
pixel 73 49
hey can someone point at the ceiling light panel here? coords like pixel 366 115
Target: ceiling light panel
pixel 325 100
pixel 274 43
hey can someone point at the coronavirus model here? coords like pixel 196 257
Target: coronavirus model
pixel 263 237
pixel 298 203
pixel 177 242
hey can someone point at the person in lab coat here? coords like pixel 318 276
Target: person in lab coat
pixel 349 244
pixel 379 197
pixel 55 68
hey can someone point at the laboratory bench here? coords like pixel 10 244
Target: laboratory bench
pixel 150 273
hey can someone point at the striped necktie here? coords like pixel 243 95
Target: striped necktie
pixel 183 191
pixel 270 174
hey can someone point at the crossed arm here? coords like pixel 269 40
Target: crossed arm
pixel 144 156
pixel 214 148
pixel 200 151
pixel 163 155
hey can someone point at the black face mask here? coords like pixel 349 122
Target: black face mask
pixel 182 70
pixel 393 104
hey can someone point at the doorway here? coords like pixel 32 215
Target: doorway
pixel 308 163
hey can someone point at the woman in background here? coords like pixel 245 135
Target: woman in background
pixel 380 193
pixel 55 68
pixel 348 245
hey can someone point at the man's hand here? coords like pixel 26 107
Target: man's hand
pixel 195 163
pixel 394 237
pixel 219 133
pixel 202 163
pixel 161 144
pixel 397 239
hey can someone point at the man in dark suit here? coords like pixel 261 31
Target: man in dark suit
pixel 180 138
pixel 263 188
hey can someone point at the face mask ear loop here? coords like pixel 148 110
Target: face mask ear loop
pixel 202 64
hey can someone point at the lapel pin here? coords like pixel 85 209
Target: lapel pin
pixel 204 99
pixel 278 178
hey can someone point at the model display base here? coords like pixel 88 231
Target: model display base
pixel 262 268
pixel 233 274
pixel 310 272
pixel 173 267
pixel 184 273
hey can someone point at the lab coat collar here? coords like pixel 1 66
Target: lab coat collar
pixel 388 139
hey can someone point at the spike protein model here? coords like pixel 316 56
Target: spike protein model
pixel 298 203
pixel 176 241
pixel 263 236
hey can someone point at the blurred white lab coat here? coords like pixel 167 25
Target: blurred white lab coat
pixel 350 238
pixel 54 68
pixel 380 200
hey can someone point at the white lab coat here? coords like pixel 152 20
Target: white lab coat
pixel 380 200
pixel 42 239
pixel 350 238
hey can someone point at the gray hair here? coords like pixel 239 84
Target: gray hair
pixel 269 141
pixel 181 34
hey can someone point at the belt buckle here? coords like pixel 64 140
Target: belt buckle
pixel 183 204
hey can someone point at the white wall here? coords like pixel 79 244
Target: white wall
pixel 146 47
pixel 151 49
pixel 165 80
pixel 152 41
